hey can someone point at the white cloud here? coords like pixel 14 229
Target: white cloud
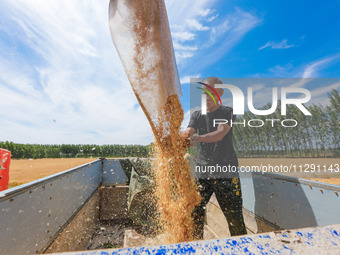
pixel 186 79
pixel 319 95
pixel 205 12
pixel 189 9
pixel 180 56
pixel 190 29
pixel 307 70
pixel 186 23
pixel 212 18
pixel 183 51
pixel 277 45
pixel 178 46
pixel 195 25
pixel 183 36
pixel 219 30
pixel 225 35
pixel 281 71
pixel 324 90
pixel 70 73
pixel 311 69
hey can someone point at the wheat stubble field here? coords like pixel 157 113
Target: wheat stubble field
pixel 27 170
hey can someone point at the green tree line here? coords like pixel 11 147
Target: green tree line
pixel 316 135
pixel 35 151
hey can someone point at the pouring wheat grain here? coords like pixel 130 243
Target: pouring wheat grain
pixel 141 35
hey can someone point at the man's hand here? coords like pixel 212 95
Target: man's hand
pixel 187 134
pixel 195 139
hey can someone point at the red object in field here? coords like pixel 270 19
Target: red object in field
pixel 5 160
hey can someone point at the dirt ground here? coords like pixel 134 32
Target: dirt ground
pixel 27 170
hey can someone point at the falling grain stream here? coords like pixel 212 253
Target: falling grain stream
pixel 141 34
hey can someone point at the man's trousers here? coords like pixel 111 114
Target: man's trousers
pixel 229 197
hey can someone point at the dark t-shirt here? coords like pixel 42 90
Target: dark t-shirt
pixel 221 152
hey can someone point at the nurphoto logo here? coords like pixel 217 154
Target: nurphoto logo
pixel 238 99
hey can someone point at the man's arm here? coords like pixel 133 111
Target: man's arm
pixel 189 132
pixel 222 130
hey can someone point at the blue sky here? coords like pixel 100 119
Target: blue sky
pixel 61 80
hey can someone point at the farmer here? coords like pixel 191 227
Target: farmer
pixel 215 147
